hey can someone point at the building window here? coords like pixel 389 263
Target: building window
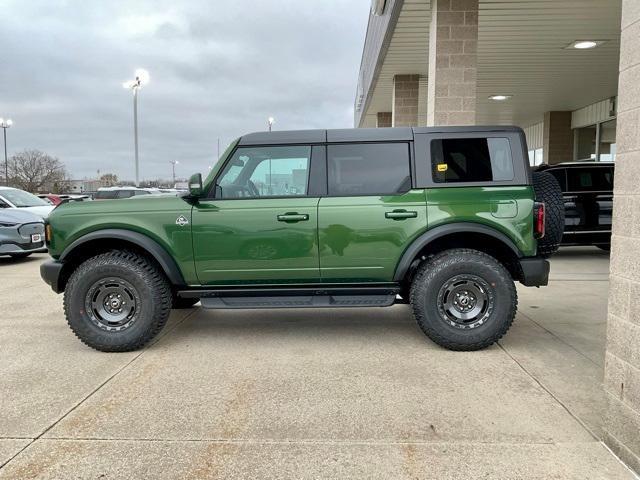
pixel 607 149
pixel 595 142
pixel 535 157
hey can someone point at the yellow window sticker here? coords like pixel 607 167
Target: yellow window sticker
pixel 442 167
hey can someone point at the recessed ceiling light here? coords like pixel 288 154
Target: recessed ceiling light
pixel 499 98
pixel 584 44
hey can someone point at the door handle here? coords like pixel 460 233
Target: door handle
pixel 400 214
pixel 293 217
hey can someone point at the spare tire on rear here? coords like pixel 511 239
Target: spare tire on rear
pixel 547 190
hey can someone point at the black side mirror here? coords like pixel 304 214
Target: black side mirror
pixel 195 185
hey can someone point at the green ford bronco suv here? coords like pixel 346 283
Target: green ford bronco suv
pixel 446 219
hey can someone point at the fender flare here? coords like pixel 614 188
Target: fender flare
pixel 153 248
pixel 438 232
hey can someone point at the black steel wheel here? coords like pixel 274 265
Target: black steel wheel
pixel 463 299
pixel 117 301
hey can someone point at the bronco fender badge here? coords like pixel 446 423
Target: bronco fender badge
pixel 181 221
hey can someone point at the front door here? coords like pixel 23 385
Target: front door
pixel 261 226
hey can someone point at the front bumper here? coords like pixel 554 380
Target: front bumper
pixel 535 272
pixel 50 273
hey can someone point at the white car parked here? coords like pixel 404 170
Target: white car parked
pixel 16 198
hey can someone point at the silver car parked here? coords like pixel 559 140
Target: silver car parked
pixel 21 233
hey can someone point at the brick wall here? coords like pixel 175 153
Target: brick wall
pixel 557 137
pixel 383 119
pixel 622 362
pixel 453 41
pixel 405 100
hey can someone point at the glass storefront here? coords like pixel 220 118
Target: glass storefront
pixel 596 142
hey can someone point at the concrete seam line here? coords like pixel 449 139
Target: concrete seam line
pixel 560 339
pixel 580 422
pixel 619 459
pixel 253 441
pixel 90 394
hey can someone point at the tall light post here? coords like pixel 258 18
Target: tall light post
pixel 173 165
pixel 270 121
pixel 141 78
pixel 4 124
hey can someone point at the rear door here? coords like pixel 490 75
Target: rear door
pixel 370 213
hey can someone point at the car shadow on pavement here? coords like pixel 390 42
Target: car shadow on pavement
pixel 380 325
pixel 17 261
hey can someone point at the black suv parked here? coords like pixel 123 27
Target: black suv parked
pixel 587 190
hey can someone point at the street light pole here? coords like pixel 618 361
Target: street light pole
pixel 135 133
pixel 141 78
pixel 173 164
pixel 4 124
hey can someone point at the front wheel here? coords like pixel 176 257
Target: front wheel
pixel 463 299
pixel 117 301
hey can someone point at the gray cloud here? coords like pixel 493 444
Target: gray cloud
pixel 218 69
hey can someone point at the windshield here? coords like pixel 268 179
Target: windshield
pixel 20 198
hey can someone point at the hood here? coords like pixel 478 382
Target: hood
pixel 41 211
pixel 18 215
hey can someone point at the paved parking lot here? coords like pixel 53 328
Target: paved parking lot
pixel 300 394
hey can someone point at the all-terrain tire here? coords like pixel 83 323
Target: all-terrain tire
pixel 435 277
pixel 547 190
pixel 142 284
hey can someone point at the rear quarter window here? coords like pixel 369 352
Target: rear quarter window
pixel 462 160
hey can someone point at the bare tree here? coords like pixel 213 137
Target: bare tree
pixel 33 171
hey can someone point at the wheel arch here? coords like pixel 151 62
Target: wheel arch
pixel 460 235
pixel 99 241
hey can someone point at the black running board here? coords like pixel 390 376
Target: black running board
pixel 300 301
pixel 282 296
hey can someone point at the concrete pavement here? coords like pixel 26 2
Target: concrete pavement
pixel 308 394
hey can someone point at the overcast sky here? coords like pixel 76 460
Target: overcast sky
pixel 219 68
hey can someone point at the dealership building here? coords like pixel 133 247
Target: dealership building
pixel 568 73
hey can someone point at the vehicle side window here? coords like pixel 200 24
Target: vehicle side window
pixel 106 194
pixel 590 179
pixel 455 160
pixel 124 194
pixel 256 172
pixel 140 192
pixel 3 204
pixel 368 169
pixel 561 176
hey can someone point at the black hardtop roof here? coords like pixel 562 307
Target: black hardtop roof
pixel 359 134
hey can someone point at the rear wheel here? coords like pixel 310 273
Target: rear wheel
pixel 463 299
pixel 547 190
pixel 117 301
